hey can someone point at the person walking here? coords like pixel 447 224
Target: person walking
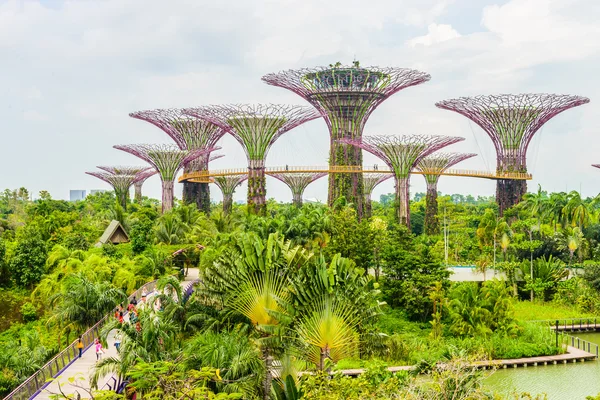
pixel 80 346
pixel 99 351
pixel 118 340
pixel 144 294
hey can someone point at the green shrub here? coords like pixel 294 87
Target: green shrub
pixel 29 312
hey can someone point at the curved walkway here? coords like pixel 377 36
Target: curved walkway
pixel 81 369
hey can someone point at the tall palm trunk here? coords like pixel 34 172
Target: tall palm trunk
pixel 267 381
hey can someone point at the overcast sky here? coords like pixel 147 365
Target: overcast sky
pixel 71 71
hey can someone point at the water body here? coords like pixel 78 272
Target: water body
pixel 559 382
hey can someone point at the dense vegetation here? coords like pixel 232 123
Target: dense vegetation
pixel 303 289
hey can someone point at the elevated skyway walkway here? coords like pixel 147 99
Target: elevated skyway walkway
pixel 205 176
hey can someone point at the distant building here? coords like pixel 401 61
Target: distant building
pixel 75 195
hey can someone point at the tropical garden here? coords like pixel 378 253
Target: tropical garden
pixel 286 302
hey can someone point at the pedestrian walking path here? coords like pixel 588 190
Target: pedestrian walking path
pixel 81 369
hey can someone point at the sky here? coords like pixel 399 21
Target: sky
pixel 72 71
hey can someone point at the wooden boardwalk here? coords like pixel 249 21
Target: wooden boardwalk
pixel 572 355
pixel 81 369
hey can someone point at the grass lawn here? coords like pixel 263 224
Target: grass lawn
pixel 527 311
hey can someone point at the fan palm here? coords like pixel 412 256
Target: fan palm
pixel 252 279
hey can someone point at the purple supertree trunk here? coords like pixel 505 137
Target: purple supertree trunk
pixel 257 184
pixel 511 121
pixel 432 224
pixel 227 203
pixel 137 187
pixel 371 180
pixel 346 96
pixel 167 196
pixel 228 184
pixel 403 199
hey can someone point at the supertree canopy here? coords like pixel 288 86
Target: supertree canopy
pixel 432 167
pixel 120 184
pixel 297 182
pixel 401 154
pixel 167 160
pixel 511 121
pixel 371 180
pixel 228 184
pixel 346 96
pixel 256 128
pixel 140 174
pixel 189 134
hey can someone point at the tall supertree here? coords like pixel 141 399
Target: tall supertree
pixel 228 184
pixel 401 154
pixel 120 184
pixel 371 180
pixel 167 160
pixel 256 128
pixel 511 121
pixel 346 96
pixel 297 182
pixel 432 167
pixel 189 134
pixel 139 182
pixel 140 174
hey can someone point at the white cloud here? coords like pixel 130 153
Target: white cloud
pixel 435 34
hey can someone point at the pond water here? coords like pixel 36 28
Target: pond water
pixel 559 382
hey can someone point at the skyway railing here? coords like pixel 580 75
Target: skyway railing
pixel 204 176
pixel 36 382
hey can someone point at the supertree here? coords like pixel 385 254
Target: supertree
pixel 297 182
pixel 189 134
pixel 256 128
pixel 228 184
pixel 120 184
pixel 432 167
pixel 140 174
pixel 401 154
pixel 371 180
pixel 346 96
pixel 167 160
pixel 511 121
pixel 139 182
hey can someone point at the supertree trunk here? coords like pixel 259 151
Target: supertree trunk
pixel 122 198
pixel 348 185
pixel 297 200
pixel 402 196
pixel 257 183
pixel 432 224
pixel 138 191
pixel 167 196
pixel 227 203
pixel 196 192
pixel 509 192
pixel 368 206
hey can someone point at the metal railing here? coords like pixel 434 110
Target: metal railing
pixel 579 343
pixel 40 379
pixel 205 176
pixel 571 324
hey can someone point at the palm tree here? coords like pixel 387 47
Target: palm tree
pixel 170 229
pixel 82 302
pixel 536 203
pixel 556 205
pixel 577 210
pixel 155 341
pixel 252 279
